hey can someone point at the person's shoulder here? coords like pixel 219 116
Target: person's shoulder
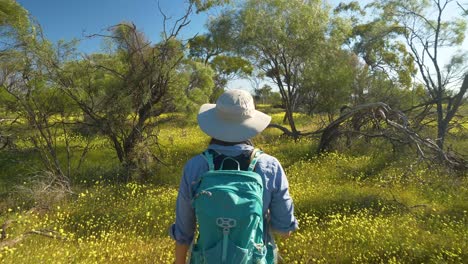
pixel 267 158
pixel 195 161
pixel 268 162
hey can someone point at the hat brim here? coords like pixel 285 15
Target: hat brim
pixel 231 130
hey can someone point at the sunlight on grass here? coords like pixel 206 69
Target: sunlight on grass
pixel 355 207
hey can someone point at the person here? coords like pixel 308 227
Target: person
pixel 231 123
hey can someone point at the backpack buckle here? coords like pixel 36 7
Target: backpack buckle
pixel 226 223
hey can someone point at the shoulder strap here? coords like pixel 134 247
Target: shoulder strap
pixel 256 153
pixel 209 159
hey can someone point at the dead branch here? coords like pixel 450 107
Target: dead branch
pixel 383 122
pixel 4 228
pixel 462 8
pixel 283 129
pixel 395 200
pixel 42 232
pixel 289 133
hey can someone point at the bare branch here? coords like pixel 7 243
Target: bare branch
pixel 462 8
pixel 377 113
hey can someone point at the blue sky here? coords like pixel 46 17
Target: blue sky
pixel 68 19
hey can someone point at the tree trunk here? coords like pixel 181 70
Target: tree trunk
pixel 288 116
pixel 118 148
pixel 441 132
pixel 292 124
pixel 452 107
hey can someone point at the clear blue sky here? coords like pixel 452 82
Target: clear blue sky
pixel 68 19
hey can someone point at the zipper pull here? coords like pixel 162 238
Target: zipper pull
pixel 202 193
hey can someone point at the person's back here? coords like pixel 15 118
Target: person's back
pixel 277 207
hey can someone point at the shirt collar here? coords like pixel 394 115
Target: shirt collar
pixel 234 150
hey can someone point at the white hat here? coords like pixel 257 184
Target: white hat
pixel 233 118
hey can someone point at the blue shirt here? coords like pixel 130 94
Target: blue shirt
pixel 276 199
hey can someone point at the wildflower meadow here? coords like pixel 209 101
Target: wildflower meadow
pixel 364 206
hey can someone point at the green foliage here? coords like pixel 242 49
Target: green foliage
pixel 213 49
pixel 375 43
pixel 14 21
pixel 196 82
pixel 230 65
pixel 328 89
pixel 204 5
pixel 282 39
pixel 293 28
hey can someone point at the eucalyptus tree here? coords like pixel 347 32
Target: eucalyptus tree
pixel 282 39
pixel 384 66
pixel 263 94
pixel 329 88
pixel 215 49
pixel 428 30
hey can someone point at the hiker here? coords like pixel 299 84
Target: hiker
pixel 219 187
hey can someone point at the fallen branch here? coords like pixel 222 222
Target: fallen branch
pixel 395 200
pixel 43 232
pixel 4 228
pixel 289 133
pixel 389 124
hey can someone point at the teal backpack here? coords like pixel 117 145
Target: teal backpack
pixel 228 206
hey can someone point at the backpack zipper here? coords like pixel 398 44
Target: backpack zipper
pixel 230 190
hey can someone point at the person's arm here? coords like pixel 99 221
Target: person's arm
pixel 181 253
pixel 182 231
pixel 282 219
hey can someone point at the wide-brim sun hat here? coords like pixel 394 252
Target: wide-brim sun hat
pixel 233 118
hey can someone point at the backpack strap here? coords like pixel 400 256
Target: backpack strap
pixel 209 159
pixel 256 153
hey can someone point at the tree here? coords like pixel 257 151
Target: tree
pixel 197 81
pixel 427 32
pixel 383 66
pixel 215 49
pixel 328 89
pixel 203 5
pixel 14 25
pixel 263 94
pixel 119 93
pixel 29 91
pixel 376 43
pixel 122 93
pixel 281 38
pixel 378 120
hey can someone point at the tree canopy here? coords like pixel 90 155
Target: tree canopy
pixel 318 60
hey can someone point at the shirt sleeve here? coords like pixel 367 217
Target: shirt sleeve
pixel 183 229
pixel 282 217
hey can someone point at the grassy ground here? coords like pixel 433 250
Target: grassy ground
pixel 364 206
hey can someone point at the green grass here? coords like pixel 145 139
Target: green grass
pixel 359 206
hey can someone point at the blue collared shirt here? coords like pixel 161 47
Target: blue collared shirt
pixel 276 199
